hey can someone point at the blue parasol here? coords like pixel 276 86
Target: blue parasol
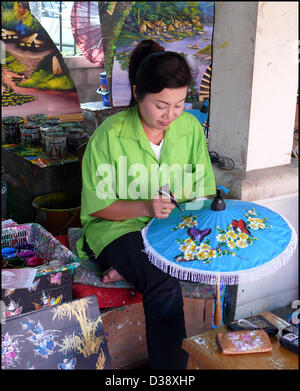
pixel 217 242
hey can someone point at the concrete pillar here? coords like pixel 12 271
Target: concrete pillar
pixel 254 83
pixel 252 114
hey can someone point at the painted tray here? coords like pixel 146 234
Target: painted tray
pixel 46 245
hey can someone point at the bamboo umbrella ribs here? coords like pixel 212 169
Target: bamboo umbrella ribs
pixel 86 30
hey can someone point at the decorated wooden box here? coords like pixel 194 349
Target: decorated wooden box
pixel 68 336
pixel 53 282
pixel 47 290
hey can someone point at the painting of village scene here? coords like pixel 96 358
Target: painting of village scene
pixel 183 27
pixel 35 78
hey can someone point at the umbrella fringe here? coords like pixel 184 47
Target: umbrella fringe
pixel 226 278
pixel 189 274
pixel 273 266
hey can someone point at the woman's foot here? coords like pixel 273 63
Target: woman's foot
pixel 111 275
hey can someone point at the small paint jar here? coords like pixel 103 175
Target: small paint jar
pixel 42 119
pixel 25 246
pixel 8 252
pixel 30 135
pixel 52 121
pixel 36 123
pixel 12 129
pixel 26 253
pixel 45 129
pixel 72 124
pixel 34 261
pixel 37 117
pixel 15 263
pixel 55 145
pixel 76 136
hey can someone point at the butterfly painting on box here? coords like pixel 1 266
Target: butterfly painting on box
pixel 68 336
pixel 47 301
pixel 55 278
pixel 43 340
pixel 13 309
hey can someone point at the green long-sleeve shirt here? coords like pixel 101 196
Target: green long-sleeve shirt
pixel 119 163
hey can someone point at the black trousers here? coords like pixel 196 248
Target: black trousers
pixel 162 299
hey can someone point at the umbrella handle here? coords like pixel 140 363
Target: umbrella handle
pixel 218 307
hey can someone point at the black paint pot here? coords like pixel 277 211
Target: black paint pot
pixel 15 263
pixel 12 129
pixel 30 135
pixel 76 136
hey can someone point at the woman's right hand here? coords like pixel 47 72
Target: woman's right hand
pixel 161 207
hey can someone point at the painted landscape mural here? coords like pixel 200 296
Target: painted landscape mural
pixel 35 78
pixel 184 27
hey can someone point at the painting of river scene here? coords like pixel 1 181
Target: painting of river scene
pixel 183 27
pixel 35 78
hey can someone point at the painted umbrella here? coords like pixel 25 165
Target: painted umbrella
pixel 244 242
pixel 86 29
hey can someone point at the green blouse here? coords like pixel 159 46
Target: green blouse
pixel 119 163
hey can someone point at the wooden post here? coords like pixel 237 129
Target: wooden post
pixel 217 314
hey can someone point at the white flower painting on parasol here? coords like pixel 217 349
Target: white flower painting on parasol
pixel 243 243
pixel 235 236
pixel 239 242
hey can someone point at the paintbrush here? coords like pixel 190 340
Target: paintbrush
pixel 165 190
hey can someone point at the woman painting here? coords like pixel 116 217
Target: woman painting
pixel 127 159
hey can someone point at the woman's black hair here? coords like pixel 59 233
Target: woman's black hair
pixel 151 69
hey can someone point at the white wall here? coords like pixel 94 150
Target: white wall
pixel 254 82
pixel 280 288
pixel 252 112
pixel 274 85
pixel 231 81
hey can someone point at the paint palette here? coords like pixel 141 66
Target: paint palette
pixel 53 282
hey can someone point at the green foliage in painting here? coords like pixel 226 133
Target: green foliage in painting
pixel 112 43
pixel 48 81
pixel 43 78
pixel 60 83
pixel 191 9
pixel 162 19
pixel 46 64
pixel 7 18
pixel 123 59
pixel 13 65
pixel 10 98
pixel 35 79
pixel 207 50
pixel 13 13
